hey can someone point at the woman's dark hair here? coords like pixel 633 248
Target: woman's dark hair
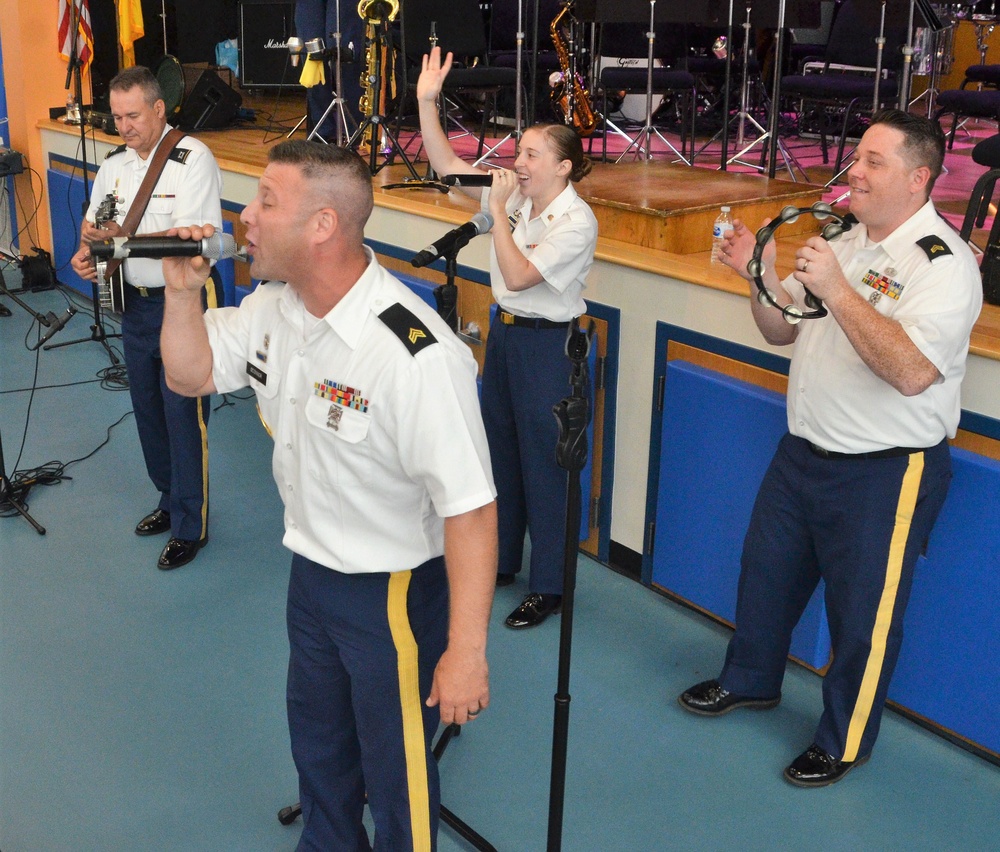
pixel 567 146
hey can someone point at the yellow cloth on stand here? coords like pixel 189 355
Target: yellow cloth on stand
pixel 313 73
pixel 130 29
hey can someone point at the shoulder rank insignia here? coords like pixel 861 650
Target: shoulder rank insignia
pixel 404 324
pixel 119 150
pixel 180 155
pixel 935 247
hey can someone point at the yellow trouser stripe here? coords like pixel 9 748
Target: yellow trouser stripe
pixel 413 721
pixel 203 428
pixel 883 619
pixel 211 293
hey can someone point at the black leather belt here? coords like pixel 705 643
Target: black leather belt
pixel 890 453
pixel 529 322
pixel 146 292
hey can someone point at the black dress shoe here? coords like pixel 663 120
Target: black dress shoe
pixel 505 579
pixel 708 698
pixel 154 523
pixel 179 552
pixel 534 609
pixel 816 768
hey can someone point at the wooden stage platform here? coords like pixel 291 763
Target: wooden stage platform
pixel 650 204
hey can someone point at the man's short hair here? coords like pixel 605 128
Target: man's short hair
pixel 338 176
pixel 138 75
pixel 923 140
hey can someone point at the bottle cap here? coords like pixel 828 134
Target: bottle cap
pixel 725 209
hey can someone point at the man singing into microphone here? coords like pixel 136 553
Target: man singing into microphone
pixel 381 460
pixel 172 428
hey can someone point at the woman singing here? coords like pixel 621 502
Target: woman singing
pixel 544 238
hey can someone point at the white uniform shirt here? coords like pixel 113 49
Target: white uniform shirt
pixel 560 244
pixel 373 446
pixel 834 399
pixel 186 193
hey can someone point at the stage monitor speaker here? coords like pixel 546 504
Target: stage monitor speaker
pixel 210 106
pixel 265 26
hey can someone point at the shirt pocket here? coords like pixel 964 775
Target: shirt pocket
pixel 338 443
pixel 160 206
pixel 265 391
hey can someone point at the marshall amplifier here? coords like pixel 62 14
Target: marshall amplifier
pixel 265 26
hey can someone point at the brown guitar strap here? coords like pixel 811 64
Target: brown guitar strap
pixel 141 201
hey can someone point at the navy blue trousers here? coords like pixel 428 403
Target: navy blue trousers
pixel 363 649
pixel 173 429
pixel 526 373
pixel 861 525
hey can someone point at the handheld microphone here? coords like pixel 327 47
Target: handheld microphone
pixel 55 324
pixel 295 49
pixel 216 247
pixel 467 180
pixel 454 239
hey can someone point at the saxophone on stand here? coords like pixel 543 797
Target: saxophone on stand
pixel 570 98
pixel 378 76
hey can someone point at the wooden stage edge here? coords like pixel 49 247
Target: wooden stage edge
pixel 652 216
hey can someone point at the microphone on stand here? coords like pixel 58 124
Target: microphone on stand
pixel 216 247
pixel 467 180
pixel 295 48
pixel 454 239
pixel 55 324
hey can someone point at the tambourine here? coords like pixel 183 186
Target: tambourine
pixel 793 313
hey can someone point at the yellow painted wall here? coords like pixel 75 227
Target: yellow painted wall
pixel 35 80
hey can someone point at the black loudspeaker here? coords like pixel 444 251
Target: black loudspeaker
pixel 37 272
pixel 265 26
pixel 210 106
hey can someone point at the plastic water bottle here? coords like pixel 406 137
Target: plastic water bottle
pixel 722 224
pixel 72 110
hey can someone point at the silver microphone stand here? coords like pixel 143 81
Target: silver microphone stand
pixel 313 47
pixel 343 130
pixel 518 85
pixel 904 77
pixel 648 130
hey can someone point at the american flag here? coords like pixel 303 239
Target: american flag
pixel 84 35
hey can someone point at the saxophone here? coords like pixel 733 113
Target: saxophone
pixel 375 13
pixel 569 95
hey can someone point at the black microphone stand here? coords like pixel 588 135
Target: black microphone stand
pixel 48 320
pixel 7 497
pixel 446 297
pixel 573 415
pixel 74 76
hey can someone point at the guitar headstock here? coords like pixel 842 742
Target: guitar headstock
pixel 107 210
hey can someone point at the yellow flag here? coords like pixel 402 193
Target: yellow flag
pixel 130 29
